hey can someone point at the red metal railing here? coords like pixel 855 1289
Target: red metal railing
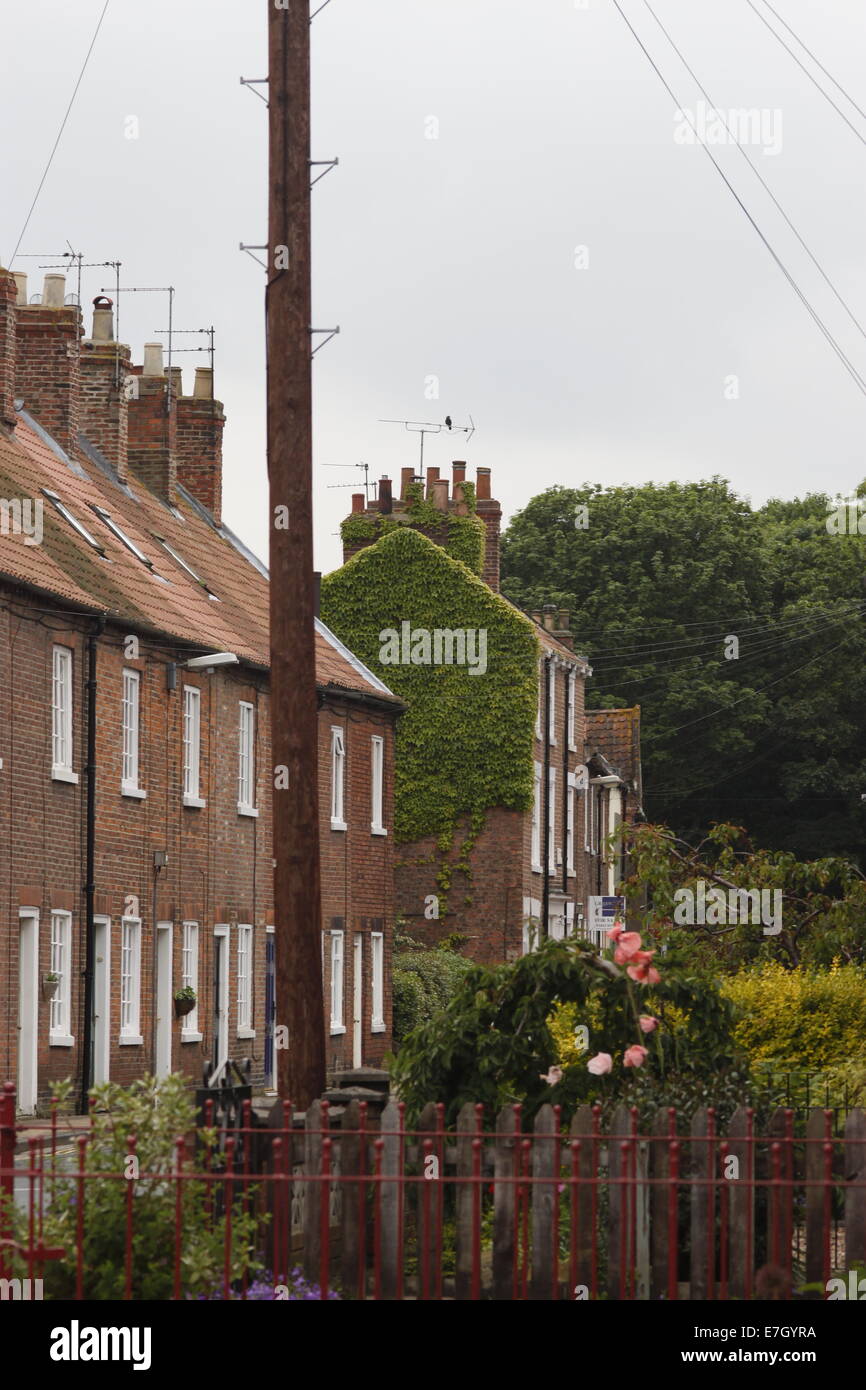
pixel 374 1210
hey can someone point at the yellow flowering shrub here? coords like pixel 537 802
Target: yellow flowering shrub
pixel 804 1019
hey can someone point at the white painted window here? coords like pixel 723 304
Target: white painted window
pixel 377 783
pixel 536 820
pixel 377 951
pixel 338 778
pixel 569 826
pixel 540 707
pixel 552 698
pixel 131 724
pixel 246 759
pixel 60 1021
pixel 337 1025
pixel 551 815
pixel 189 976
pixel 587 818
pixel 572 695
pixel 61 716
pixel 245 981
pixel 191 746
pixel 130 980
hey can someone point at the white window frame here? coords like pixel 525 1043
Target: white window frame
pixel 587 817
pixel 192 747
pixel 130 971
pixel 535 847
pixel 245 980
pixel 377 978
pixel 130 733
pixel 246 758
pixel 551 816
pixel 377 784
pixel 572 694
pixel 338 981
pixel 552 699
pixel 539 731
pixel 338 778
pixel 189 1029
pixel 60 1015
pixel 61 715
pixel 569 827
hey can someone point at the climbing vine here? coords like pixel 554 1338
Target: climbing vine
pixel 465 742
pixel 461 536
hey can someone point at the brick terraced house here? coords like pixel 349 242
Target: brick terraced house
pixel 135 770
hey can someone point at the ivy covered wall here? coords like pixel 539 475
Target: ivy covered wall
pixel 465 743
pixel 461 536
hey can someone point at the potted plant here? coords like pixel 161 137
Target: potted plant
pixel 50 984
pixel 185 1001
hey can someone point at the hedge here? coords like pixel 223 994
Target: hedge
pixel 799 1020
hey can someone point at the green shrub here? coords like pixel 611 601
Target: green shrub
pixel 800 1020
pixel 423 983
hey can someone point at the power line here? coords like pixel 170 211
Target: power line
pixel 758 175
pixel 815 60
pixel 802 66
pixel 61 130
pixel 846 362
pixel 734 628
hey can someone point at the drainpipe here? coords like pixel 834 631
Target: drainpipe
pixel 90 863
pixel 545 801
pixel 565 789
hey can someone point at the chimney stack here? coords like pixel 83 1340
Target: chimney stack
pixel 357 502
pixel 549 611
pixel 458 473
pixel 21 285
pixel 440 494
pixel 482 486
pixel 432 477
pixel 105 365
pixel 199 439
pixel 406 477
pixel 153 427
pixel 9 295
pixel 491 514
pixel 386 501
pixel 48 362
pixel 461 506
pixel 562 632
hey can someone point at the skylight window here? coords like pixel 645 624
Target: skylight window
pixel 183 564
pixel 121 535
pixel 73 521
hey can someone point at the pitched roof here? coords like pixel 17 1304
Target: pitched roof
pixel 615 734
pixel 191 581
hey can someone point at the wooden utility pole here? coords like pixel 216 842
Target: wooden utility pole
pixel 294 724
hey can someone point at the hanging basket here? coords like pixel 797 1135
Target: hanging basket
pixel 49 987
pixel 182 1007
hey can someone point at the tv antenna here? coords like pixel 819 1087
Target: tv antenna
pixel 203 332
pixel 425 427
pixel 365 467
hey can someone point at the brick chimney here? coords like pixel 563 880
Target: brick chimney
pixel 200 424
pixel 491 514
pixel 8 300
pixel 47 373
pixel 105 366
pixel 153 426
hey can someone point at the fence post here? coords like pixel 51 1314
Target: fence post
pixel 7 1170
pixel 855 1196
pixel 583 1232
pixel 618 1156
pixel 815 1197
pixel 545 1262
pixel 505 1168
pixel 702 1168
pixel 350 1241
pixel 466 1129
pixel 392 1198
pixel 663 1129
pixel 312 1170
pixel 426 1209
pixel 742 1207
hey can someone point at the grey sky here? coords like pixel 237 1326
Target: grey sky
pixel 454 257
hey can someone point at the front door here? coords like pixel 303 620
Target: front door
pixel 101 999
pixel 28 1010
pixel 358 1002
pixel 164 998
pixel 220 996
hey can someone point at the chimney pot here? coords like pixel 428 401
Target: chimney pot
pixel 536 615
pixel 440 494
pixel 177 380
pixel 386 501
pixel 564 616
pixel 406 477
pixel 549 612
pixel 153 365
pixel 53 291
pixel 20 277
pixel 203 384
pixel 432 477
pixel 482 487
pixel 458 471
pixel 358 501
pixel 103 319
pixel 461 507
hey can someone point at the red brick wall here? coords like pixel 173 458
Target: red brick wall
pixel 200 424
pixel 104 408
pixel 47 370
pixel 8 294
pixel 152 435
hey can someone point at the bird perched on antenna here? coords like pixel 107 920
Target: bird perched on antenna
pixel 448 421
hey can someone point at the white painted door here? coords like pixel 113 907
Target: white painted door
pixel 221 995
pixel 28 1010
pixel 101 999
pixel 164 997
pixel 358 1002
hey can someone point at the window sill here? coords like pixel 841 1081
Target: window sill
pixel 338 824
pixel 191 1037
pixel 197 801
pixel 337 1028
pixel 64 774
pixel 572 873
pixel 379 1027
pixel 536 868
pixel 131 1040
pixel 378 830
pixel 247 810
pixel 137 793
pixel 61 1040
pixel 245 1034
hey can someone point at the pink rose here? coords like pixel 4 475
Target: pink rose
pixel 600 1064
pixel 627 946
pixel 648 1023
pixel 616 931
pixel 634 1056
pixel 641 970
pixel 554 1075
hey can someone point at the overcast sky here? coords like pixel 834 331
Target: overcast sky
pixel 454 257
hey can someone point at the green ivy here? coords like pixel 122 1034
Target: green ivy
pixel 462 536
pixel 465 742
